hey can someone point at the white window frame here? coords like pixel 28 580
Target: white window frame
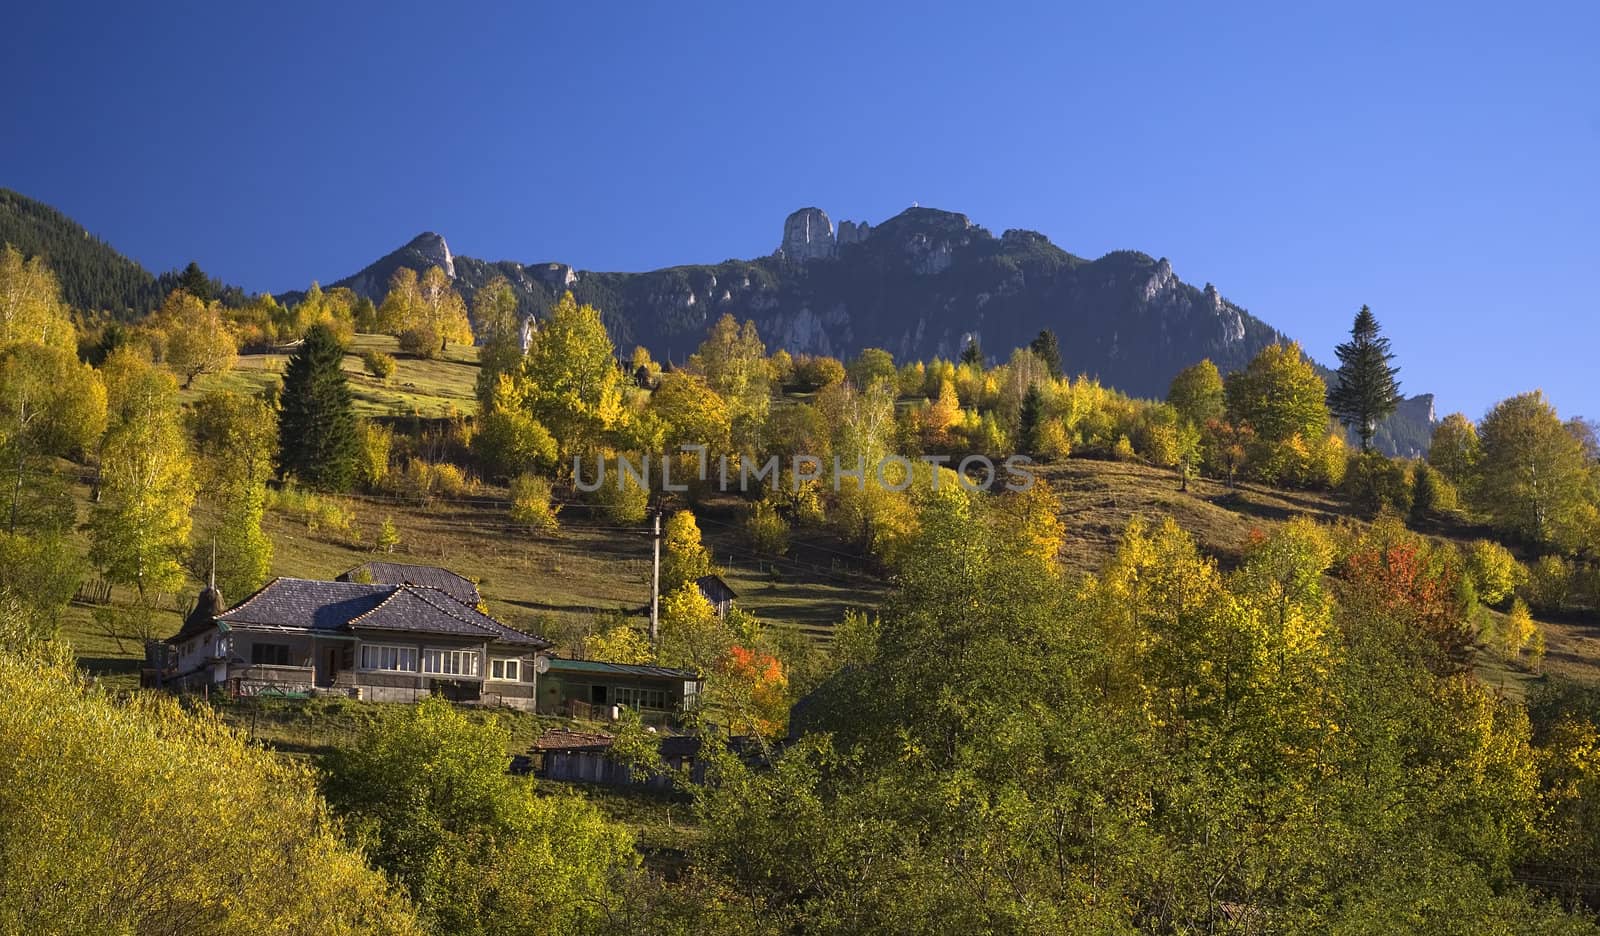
pixel 505 665
pixel 399 653
pixel 439 661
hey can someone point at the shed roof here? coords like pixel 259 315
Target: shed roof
pixel 558 665
pixel 715 589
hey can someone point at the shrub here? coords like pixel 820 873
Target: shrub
pixel 388 536
pixel 1549 583
pixel 1431 493
pixel 1493 571
pixel 378 364
pixel 531 503
pixel 511 443
pixel 374 441
pixel 768 531
pixel 450 482
pixel 1374 483
pixel 620 498
pixel 422 341
pixel 1123 450
pixel 1516 630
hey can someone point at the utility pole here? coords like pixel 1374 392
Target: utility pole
pixel 655 579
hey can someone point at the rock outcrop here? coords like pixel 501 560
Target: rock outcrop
pixel 434 251
pixel 807 235
pixel 852 233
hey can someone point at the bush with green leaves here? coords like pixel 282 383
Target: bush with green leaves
pixel 531 503
pixel 1375 483
pixel 427 795
pixel 378 364
pixel 1549 583
pixel 1493 571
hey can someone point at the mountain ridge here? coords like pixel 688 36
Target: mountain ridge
pixel 919 285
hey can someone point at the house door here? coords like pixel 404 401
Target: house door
pixel 328 666
pixel 597 695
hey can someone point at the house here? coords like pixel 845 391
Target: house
pixel 459 587
pixel 593 689
pixel 382 642
pixel 717 592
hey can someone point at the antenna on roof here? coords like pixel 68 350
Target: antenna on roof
pixel 211 579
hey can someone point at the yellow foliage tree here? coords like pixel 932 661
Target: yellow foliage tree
pixel 87 835
pixel 31 309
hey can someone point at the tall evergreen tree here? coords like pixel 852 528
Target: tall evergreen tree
pixel 1366 392
pixel 1047 349
pixel 317 428
pixel 1028 420
pixel 972 354
pixel 196 283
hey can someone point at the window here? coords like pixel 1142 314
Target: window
pixel 505 670
pixel 396 659
pixel 641 698
pixel 450 662
pixel 269 654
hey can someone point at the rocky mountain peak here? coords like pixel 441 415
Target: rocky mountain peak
pixel 432 248
pixel 807 235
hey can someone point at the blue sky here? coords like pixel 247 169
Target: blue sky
pixel 1438 162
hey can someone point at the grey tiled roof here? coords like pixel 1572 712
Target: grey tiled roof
pixel 413 608
pixel 307 603
pixel 456 586
pixel 345 606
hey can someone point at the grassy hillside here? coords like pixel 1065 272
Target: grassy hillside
pixel 564 583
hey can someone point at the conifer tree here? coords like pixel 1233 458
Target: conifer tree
pixel 317 428
pixel 1366 392
pixel 972 353
pixel 1047 349
pixel 1028 422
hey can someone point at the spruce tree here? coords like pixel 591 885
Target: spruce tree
pixel 316 427
pixel 972 354
pixel 1028 421
pixel 1366 392
pixel 1047 349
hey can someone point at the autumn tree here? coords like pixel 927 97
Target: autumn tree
pixel 1280 396
pixel 140 526
pixel 684 558
pixel 733 361
pixel 95 789
pixel 194 338
pixel 1455 449
pixel 235 441
pixel 1532 472
pixel 426 313
pixel 692 637
pixel 1196 393
pixel 317 426
pixel 871 364
pixel 498 322
pixel 50 405
pixel 31 308
pixel 1365 391
pixel 428 793
pixel 570 383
